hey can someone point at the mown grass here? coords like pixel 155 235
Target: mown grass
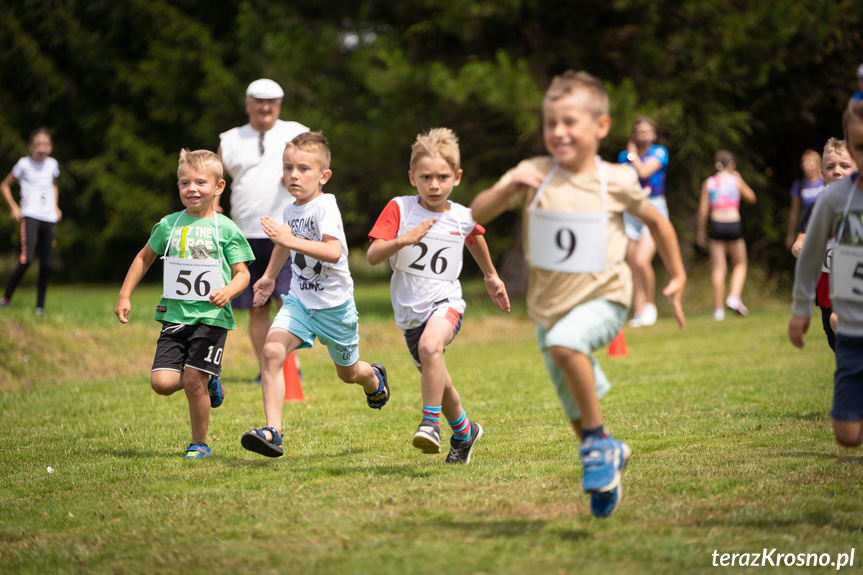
pixel 729 425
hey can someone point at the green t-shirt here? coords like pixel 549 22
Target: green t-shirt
pixel 195 238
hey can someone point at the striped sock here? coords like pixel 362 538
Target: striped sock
pixel 432 413
pixel 461 427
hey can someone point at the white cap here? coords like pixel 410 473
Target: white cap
pixel 860 71
pixel 264 89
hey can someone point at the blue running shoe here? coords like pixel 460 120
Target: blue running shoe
pixel 603 460
pixel 198 451
pixel 602 504
pixel 216 389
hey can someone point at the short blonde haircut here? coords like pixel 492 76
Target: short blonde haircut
pixel 313 143
pixel 202 161
pixel 571 82
pixel 835 146
pixel 437 142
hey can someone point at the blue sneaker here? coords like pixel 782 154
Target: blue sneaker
pixel 257 380
pixel 603 460
pixel 198 451
pixel 216 389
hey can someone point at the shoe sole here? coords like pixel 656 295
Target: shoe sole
pixel 426 443
pixel 616 503
pixel 254 442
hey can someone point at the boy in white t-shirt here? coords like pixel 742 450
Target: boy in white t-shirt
pixel 38 213
pixel 320 302
pixel 423 236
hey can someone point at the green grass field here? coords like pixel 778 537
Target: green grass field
pixel 732 452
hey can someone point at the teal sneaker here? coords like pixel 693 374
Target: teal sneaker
pixel 198 451
pixel 216 389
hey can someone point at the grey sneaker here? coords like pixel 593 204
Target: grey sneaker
pixel 427 437
pixel 459 451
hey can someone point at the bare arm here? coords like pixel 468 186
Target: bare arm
pixel 491 203
pixel 239 282
pixel 493 284
pixel 644 169
pixel 6 190
pixel 746 192
pixel 703 213
pixel 666 242
pixel 380 250
pixel 329 249
pixel 57 201
pixel 139 267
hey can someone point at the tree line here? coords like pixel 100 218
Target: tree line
pixel 126 85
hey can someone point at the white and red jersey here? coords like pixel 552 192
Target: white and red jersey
pixel 425 274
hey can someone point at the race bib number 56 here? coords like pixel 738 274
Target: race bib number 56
pixel 190 279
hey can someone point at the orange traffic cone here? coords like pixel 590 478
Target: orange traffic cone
pixel 293 388
pixel 617 347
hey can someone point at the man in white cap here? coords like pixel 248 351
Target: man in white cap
pixel 252 155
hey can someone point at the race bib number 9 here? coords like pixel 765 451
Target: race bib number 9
pixel 847 272
pixel 567 242
pixel 190 279
pixel 436 257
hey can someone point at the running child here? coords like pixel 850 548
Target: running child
pixel 38 212
pixel 720 203
pixel 580 286
pixel 320 302
pixel 838 214
pixel 836 164
pixel 205 266
pixel 423 236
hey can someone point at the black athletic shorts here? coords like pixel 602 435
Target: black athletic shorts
pixel 725 230
pixel 198 346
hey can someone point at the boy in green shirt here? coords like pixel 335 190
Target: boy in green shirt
pixel 205 258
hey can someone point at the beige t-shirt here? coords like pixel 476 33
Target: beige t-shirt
pixel 551 295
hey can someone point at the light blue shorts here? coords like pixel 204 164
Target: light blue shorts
pixel 336 327
pixel 585 329
pixel 634 227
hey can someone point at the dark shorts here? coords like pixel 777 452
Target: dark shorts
pixel 727 231
pixel 262 248
pixel 848 381
pixel 198 346
pixel 413 335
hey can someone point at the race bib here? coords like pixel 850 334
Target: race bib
pixel 828 255
pixel 436 256
pixel 191 279
pixel 847 272
pixel 567 241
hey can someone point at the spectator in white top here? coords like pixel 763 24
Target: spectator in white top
pixel 252 155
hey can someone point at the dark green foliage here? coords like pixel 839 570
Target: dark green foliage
pixel 126 85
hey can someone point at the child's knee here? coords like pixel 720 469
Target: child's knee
pixel 429 351
pixel 561 355
pixel 274 352
pixel 348 373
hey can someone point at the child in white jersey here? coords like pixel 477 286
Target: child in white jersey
pixel 320 302
pixel 38 213
pixel 580 286
pixel 423 236
pixel 720 200
pixel 838 214
pixel 204 256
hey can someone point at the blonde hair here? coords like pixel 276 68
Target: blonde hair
pixel 202 161
pixel 437 142
pixel 811 154
pixel 313 143
pixel 835 146
pixel 570 82
pixel 723 159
